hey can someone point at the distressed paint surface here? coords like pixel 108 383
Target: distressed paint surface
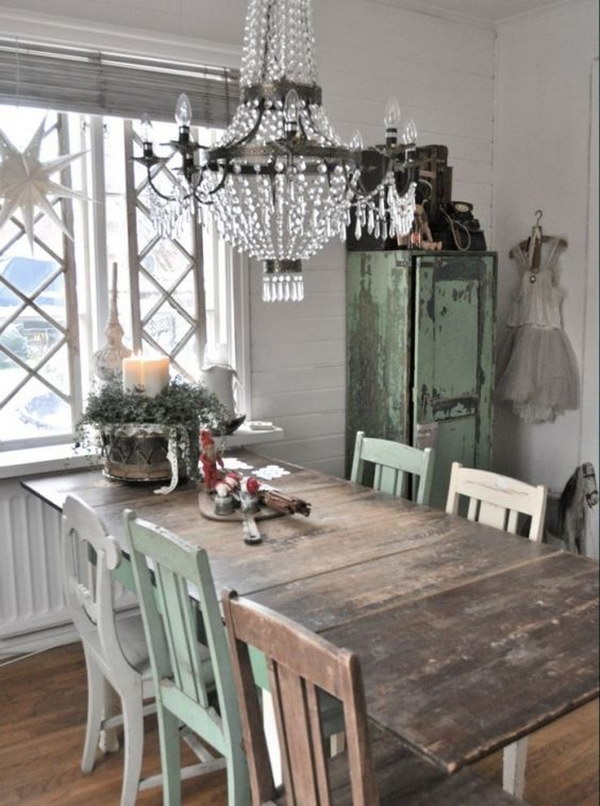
pixel 379 323
pixel 454 359
pixel 421 349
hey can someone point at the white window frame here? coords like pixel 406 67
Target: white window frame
pixel 92 269
pixel 71 335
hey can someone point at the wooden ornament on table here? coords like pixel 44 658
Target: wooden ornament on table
pixel 108 361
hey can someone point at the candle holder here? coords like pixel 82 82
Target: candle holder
pixel 108 360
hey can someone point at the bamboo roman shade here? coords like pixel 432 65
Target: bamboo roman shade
pixel 72 79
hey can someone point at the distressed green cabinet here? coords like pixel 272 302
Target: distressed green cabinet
pixel 420 346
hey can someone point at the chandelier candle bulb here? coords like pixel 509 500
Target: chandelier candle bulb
pixel 151 375
pixel 146 128
pixel 409 133
pixel 291 112
pixel 183 111
pixel 357 143
pixel 391 121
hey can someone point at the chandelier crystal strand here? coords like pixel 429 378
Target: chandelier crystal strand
pixel 278 43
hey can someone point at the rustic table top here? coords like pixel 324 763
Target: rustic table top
pixel 468 637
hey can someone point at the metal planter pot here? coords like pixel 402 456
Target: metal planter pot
pixel 147 452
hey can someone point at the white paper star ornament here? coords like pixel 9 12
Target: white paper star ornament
pixel 25 182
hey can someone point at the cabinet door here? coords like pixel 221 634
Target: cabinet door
pixel 454 359
pixel 379 324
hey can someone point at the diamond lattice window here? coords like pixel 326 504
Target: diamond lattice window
pixel 39 369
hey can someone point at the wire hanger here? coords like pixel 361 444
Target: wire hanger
pixel 532 246
pixel 534 243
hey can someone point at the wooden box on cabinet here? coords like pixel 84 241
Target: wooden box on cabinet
pixel 420 341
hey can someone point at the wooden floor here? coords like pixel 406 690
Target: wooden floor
pixel 42 720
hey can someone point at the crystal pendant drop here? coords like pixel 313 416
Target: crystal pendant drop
pixel 282 281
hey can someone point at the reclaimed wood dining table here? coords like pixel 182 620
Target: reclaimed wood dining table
pixel 469 638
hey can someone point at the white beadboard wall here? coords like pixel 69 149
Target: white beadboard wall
pixel 441 71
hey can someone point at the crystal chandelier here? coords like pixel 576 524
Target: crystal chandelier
pixel 280 183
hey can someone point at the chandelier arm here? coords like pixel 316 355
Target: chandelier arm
pixel 301 127
pixel 330 142
pixel 350 189
pixel 391 161
pixel 215 190
pixel 168 198
pixel 363 193
pixel 156 190
pixel 243 140
pixel 252 132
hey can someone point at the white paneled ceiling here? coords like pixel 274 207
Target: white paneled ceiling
pixel 483 11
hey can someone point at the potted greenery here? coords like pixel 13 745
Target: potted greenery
pixel 145 438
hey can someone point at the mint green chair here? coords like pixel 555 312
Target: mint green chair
pixel 192 677
pixel 393 462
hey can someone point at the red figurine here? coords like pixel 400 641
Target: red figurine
pixel 210 460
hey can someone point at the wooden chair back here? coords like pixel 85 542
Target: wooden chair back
pixel 497 500
pixel 299 663
pixel 393 464
pixel 88 555
pixel 175 586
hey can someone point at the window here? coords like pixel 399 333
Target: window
pixel 39 368
pixel 175 295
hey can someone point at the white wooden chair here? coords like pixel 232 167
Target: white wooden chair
pixel 115 650
pixel 393 462
pixel 498 501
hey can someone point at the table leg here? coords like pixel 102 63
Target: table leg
pixel 513 770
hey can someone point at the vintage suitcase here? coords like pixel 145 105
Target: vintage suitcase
pixel 435 178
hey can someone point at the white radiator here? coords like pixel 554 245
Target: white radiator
pixel 31 598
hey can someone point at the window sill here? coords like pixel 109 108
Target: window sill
pixel 245 435
pixel 53 458
pixel 49 459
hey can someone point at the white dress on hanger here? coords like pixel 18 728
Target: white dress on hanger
pixel 537 368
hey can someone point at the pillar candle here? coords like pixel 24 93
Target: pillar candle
pixel 149 374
